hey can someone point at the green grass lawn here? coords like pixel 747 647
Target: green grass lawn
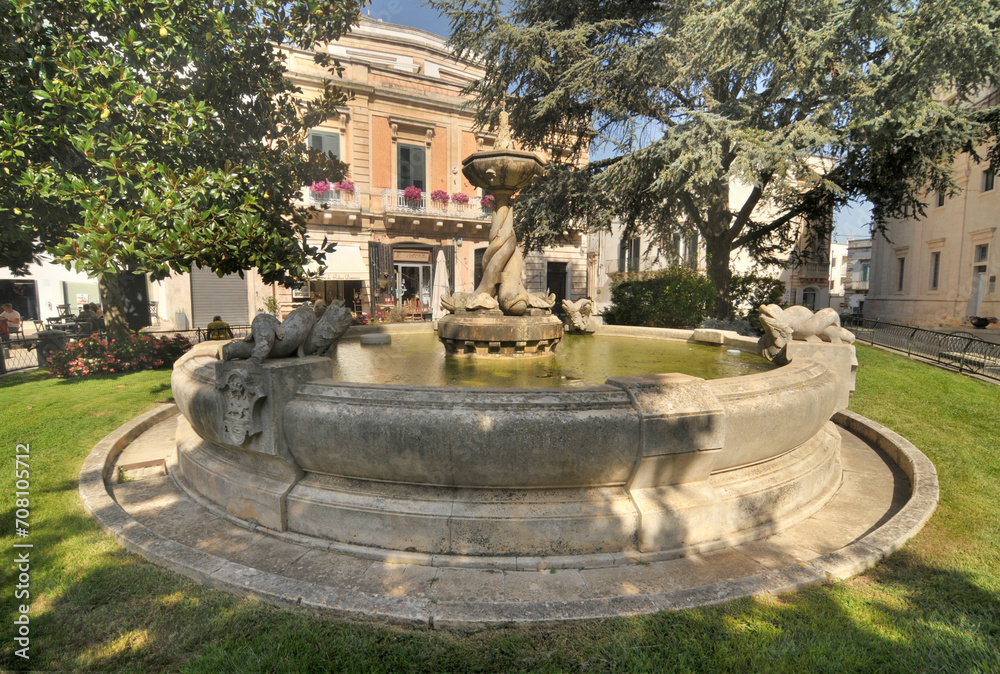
pixel 933 606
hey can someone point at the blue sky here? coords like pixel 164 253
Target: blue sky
pixel 408 13
pixel 849 223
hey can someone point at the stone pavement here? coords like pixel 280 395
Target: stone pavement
pixel 871 515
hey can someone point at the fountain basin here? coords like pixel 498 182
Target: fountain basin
pixel 658 465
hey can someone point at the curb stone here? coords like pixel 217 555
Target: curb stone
pixel 215 571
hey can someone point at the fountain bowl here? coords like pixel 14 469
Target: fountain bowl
pixel 502 170
pixel 642 467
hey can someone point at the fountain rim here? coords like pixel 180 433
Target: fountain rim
pixel 490 154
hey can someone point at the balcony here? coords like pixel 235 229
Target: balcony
pixel 393 201
pixel 333 199
pixel 813 270
pixel 856 286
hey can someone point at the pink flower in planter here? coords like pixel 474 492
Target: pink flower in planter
pixel 487 201
pixel 413 193
pixel 460 198
pixel 320 187
pixel 345 186
pixel 440 195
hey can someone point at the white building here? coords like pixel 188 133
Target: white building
pixel 47 287
pixel 859 262
pixel 807 283
pixel 942 268
pixel 838 276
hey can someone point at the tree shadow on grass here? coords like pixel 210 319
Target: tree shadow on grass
pixel 122 612
pixel 18 378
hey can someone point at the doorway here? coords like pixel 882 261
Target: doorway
pixel 555 281
pixel 413 282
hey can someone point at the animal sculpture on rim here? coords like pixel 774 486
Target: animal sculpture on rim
pixel 579 315
pixel 299 334
pixel 782 326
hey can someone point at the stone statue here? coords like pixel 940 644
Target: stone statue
pixel 781 326
pixel 327 330
pixel 300 333
pixel 469 302
pixel 579 315
pixel 502 171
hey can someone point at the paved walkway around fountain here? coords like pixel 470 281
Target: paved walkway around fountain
pixel 873 513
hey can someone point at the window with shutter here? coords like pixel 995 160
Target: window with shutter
pixel 326 142
pixel 412 163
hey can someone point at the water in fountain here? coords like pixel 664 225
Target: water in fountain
pixel 419 360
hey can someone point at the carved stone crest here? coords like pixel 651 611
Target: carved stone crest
pixel 242 398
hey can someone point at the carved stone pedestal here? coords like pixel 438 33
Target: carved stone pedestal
pixel 231 443
pixel 488 336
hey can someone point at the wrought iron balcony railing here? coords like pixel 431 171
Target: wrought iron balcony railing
pixel 394 201
pixel 333 199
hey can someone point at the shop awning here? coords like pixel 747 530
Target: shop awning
pixel 343 264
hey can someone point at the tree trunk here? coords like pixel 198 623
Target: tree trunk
pixel 114 306
pixel 718 250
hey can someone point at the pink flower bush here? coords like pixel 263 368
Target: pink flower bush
pixel 320 187
pixel 487 201
pixel 460 198
pixel 345 185
pixel 413 193
pixel 440 195
pixel 93 355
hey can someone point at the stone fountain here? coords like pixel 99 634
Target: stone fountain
pixel 500 318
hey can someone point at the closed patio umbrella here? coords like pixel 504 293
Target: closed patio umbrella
pixel 440 287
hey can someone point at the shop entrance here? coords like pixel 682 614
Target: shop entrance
pixel 413 279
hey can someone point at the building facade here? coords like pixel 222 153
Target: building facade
pixel 939 269
pixel 859 262
pixel 807 276
pixel 405 128
pixel 838 276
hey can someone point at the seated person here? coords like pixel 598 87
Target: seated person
pixel 319 306
pixel 218 329
pixel 11 319
pixel 87 320
pixel 88 313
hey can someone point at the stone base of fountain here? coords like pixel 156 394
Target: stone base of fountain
pixel 493 335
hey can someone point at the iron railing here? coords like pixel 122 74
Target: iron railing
pixel 18 354
pixel 960 350
pixel 198 335
pixel 334 199
pixel 394 201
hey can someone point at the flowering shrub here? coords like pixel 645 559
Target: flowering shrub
pixel 460 198
pixel 487 201
pixel 440 195
pixel 362 319
pixel 413 193
pixel 345 185
pixel 320 187
pixel 94 355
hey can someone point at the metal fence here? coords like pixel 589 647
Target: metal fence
pixel 22 353
pixel 18 354
pixel 198 335
pixel 960 350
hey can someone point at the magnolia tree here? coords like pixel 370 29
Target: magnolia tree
pixel 150 136
pixel 805 104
